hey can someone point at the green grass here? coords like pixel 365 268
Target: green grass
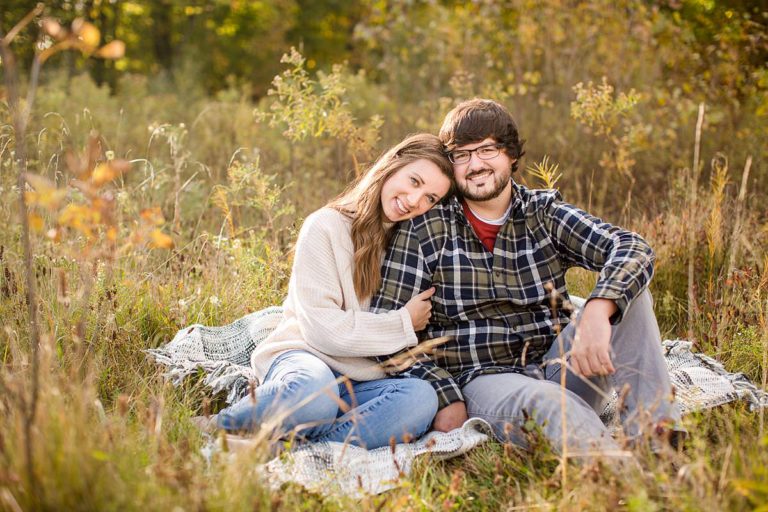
pixel 110 434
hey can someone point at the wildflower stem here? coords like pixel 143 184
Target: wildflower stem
pixel 734 248
pixel 692 228
pixel 29 405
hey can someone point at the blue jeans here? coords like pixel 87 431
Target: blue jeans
pixel 301 395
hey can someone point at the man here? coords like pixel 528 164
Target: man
pixel 497 255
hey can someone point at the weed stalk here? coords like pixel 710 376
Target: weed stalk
pixel 20 116
pixel 692 229
pixel 738 220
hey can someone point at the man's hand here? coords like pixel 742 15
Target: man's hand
pixel 450 417
pixel 591 348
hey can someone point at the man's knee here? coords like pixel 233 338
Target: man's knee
pixel 645 298
pixel 515 403
pixel 641 306
pixel 543 401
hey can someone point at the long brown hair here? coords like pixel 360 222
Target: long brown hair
pixel 362 202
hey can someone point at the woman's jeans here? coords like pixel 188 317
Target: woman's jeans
pixel 300 394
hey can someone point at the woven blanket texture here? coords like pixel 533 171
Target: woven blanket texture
pixel 222 354
pixel 337 468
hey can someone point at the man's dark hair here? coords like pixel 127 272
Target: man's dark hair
pixel 478 119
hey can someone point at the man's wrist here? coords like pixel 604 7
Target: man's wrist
pixel 599 306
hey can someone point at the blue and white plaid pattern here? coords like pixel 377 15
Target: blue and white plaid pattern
pixel 496 308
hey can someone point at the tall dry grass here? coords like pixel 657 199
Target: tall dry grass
pixel 111 434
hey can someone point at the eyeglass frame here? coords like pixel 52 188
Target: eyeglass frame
pixel 469 152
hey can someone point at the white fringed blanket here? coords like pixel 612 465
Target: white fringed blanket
pixel 223 355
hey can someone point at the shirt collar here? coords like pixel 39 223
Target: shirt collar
pixel 517 200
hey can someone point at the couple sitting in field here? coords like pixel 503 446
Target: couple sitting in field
pixel 399 258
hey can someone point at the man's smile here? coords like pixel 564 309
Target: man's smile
pixel 479 177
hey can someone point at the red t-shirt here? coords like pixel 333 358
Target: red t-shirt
pixel 485 232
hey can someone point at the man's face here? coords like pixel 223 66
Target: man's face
pixel 481 179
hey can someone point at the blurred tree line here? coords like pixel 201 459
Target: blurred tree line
pixel 644 67
pixel 221 42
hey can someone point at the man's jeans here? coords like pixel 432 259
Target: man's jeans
pixel 506 400
pixel 300 394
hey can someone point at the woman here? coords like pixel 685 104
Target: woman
pixel 316 378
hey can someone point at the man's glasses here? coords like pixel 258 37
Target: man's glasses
pixel 462 156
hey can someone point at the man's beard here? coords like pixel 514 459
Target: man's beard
pixel 500 182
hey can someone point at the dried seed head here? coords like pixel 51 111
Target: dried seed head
pixel 123 404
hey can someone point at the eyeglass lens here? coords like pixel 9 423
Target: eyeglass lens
pixel 483 153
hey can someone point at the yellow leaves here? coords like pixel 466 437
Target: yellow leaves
pixel 134 9
pixel 112 50
pixel 35 222
pixel 102 174
pixel 193 11
pixel 81 218
pixel 45 195
pixel 90 171
pixel 160 240
pixel 546 172
pixel 83 35
pixel 93 217
pixel 108 171
pixel 100 455
pixel 152 216
pixel 86 32
pixel 49 200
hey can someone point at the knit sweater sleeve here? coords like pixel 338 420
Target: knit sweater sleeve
pixel 326 321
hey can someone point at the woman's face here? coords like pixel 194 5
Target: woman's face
pixel 413 190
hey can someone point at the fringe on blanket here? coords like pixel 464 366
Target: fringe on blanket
pixel 338 468
pixel 223 355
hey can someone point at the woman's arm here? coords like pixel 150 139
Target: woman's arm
pixel 324 320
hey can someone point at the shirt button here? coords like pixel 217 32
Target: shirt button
pixel 497 273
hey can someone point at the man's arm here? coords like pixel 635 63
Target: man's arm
pixel 405 272
pixel 623 258
pixel 625 263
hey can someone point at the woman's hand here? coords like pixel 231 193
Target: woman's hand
pixel 420 309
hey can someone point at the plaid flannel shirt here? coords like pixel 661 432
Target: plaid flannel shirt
pixel 496 308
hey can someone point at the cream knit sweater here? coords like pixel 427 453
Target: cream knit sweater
pixel 324 316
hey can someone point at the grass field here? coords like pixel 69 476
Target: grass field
pixel 148 211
